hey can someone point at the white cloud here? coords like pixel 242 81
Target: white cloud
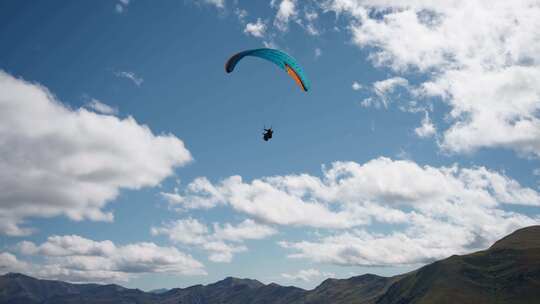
pixel 208 196
pixel 369 102
pixel 306 275
pixel 173 197
pixel 221 252
pixel 403 154
pixel 131 76
pixel 484 64
pixel 495 109
pixel 433 233
pixel 192 232
pixel 10 263
pixel 257 29
pixel 246 230
pixel 77 259
pixel 383 91
pixel 312 30
pixel 385 87
pixel 241 14
pixel 427 129
pixel 461 205
pixel 217 3
pixel 68 245
pixel 270 44
pixel 121 5
pixel 318 53
pixel 352 183
pixel 188 231
pixel 286 11
pixel 57 161
pixel 310 17
pixel 266 200
pixel 101 107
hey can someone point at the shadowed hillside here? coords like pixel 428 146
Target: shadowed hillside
pixel 508 272
pixel 21 289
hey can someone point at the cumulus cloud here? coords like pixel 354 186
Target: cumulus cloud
pixel 217 243
pixel 77 259
pixel 356 86
pixel 241 14
pixel 58 161
pixel 267 201
pixel 306 275
pixel 431 235
pixel 305 200
pixel 495 109
pixel 221 252
pixel 208 196
pixel 256 29
pixel 217 3
pixel 10 263
pixel 270 44
pixel 130 76
pixel 318 53
pixel 308 22
pixel 427 129
pixel 485 64
pixel 286 12
pixel 386 86
pixel 246 230
pixel 383 89
pixel 121 6
pixel 220 4
pixel 187 231
pixel 439 210
pixel 101 107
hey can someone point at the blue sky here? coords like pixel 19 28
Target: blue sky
pixel 129 155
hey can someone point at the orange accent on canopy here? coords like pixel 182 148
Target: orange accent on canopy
pixel 294 76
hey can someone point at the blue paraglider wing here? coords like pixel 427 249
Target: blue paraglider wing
pixel 281 59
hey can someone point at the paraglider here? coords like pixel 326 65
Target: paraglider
pixel 280 58
pixel 267 134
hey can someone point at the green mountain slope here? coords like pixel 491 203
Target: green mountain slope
pixel 508 272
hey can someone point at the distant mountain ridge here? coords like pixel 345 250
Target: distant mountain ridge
pixel 507 272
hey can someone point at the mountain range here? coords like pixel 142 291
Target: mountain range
pixel 507 272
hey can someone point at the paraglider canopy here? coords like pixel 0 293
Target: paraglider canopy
pixel 281 59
